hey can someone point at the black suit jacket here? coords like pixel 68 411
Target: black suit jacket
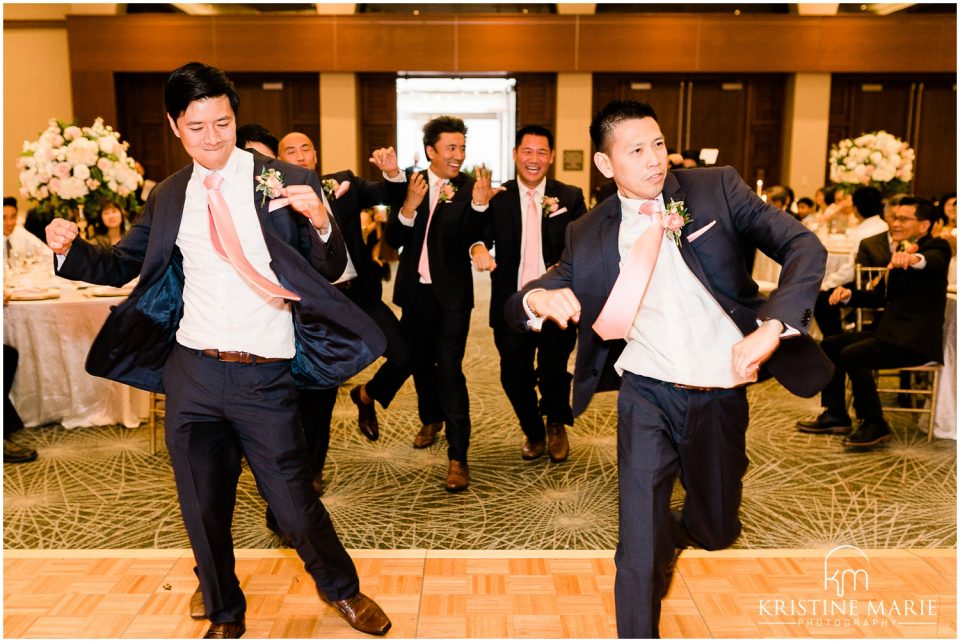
pixel 334 338
pixel 913 300
pixel 730 214
pixel 503 231
pixel 455 227
pixel 874 251
pixel 346 209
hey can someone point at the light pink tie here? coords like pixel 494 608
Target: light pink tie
pixel 423 267
pixel 618 313
pixel 226 243
pixel 531 242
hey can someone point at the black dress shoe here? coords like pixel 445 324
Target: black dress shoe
pixel 869 433
pixel 367 417
pixel 225 631
pixel 14 453
pixel 361 613
pixel 825 424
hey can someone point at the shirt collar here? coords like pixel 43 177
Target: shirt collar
pixel 540 189
pixel 228 171
pixel 433 178
pixel 631 206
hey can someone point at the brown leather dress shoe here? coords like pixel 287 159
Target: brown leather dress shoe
pixel 198 611
pixel 458 476
pixel 367 417
pixel 427 435
pixel 361 613
pixel 318 484
pixel 557 444
pixel 225 631
pixel 532 450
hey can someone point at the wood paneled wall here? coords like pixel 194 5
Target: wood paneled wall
pixel 688 43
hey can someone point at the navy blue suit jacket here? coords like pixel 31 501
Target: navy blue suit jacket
pixel 334 338
pixel 733 217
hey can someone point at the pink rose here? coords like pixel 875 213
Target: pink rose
pixel 672 222
pixel 62 170
pixel 92 184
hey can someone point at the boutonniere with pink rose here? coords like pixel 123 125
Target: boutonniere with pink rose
pixel 270 182
pixel 446 193
pixel 674 218
pixel 334 189
pixel 551 206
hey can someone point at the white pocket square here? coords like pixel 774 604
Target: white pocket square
pixel 695 235
pixel 557 213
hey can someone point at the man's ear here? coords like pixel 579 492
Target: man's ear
pixel 602 161
pixel 925 227
pixel 173 126
pixel 430 152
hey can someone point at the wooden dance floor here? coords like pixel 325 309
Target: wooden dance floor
pixel 493 594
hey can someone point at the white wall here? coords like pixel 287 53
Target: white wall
pixel 806 123
pixel 338 123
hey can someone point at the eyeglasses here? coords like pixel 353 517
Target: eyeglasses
pixel 902 219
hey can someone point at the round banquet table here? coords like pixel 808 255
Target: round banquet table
pixel 53 337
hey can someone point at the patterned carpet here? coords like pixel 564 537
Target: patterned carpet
pixel 98 488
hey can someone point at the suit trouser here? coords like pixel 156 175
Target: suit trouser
pixel 662 429
pixel 316 406
pixel 11 418
pixel 857 355
pixel 551 348
pixel 827 316
pixel 438 340
pixel 216 412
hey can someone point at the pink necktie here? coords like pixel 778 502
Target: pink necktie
pixel 531 242
pixel 226 243
pixel 423 267
pixel 618 313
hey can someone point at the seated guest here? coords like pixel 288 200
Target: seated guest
pixel 946 227
pixel 110 227
pixel 16 238
pixel 867 207
pixel 13 453
pixel 806 207
pixel 835 215
pixel 914 295
pixel 257 137
pixel 778 196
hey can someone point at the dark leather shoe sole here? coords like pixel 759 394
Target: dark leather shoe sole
pixel 817 427
pixel 872 442
pixel 228 631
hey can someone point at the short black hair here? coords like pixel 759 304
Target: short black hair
pixel 9 201
pixel 926 211
pixel 442 125
pixel 613 114
pixel 254 133
pixel 778 194
pixel 868 201
pixel 534 130
pixel 806 200
pixel 197 81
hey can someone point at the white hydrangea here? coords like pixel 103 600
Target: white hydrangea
pixel 874 158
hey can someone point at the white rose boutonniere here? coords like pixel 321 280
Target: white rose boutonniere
pixel 674 218
pixel 334 189
pixel 270 182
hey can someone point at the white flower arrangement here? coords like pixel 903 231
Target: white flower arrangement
pixel 878 159
pixel 69 166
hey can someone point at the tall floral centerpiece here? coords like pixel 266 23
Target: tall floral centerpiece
pixel 69 168
pixel 878 159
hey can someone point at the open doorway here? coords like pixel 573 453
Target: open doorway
pixel 486 105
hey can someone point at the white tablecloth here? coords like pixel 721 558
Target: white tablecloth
pixel 51 385
pixel 945 423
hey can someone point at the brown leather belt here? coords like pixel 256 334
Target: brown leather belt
pixel 343 286
pixel 239 357
pixel 684 386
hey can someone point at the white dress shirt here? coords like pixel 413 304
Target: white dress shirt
pixel 540 190
pixel 680 333
pixel 22 241
pixel 220 309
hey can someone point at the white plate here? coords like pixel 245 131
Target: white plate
pixel 34 294
pixel 105 290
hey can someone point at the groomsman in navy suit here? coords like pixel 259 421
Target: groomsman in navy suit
pixel 434 285
pixel 231 315
pixel 691 330
pixel 525 226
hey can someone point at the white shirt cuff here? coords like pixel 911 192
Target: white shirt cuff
pixel 535 323
pixel 479 208
pixel 919 265
pixel 324 237
pixel 401 177
pixel 788 331
pixel 404 220
pixel 60 258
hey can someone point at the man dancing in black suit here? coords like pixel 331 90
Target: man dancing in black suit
pixel 434 285
pixel 696 331
pixel 526 224
pixel 910 332
pixel 230 317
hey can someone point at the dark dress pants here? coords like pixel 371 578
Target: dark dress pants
pixel 550 348
pixel 827 316
pixel 662 429
pixel 216 412
pixel 11 418
pixel 857 355
pixel 438 339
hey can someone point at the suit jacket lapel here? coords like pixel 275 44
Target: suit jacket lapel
pixel 170 213
pixel 610 243
pixel 673 192
pixel 516 213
